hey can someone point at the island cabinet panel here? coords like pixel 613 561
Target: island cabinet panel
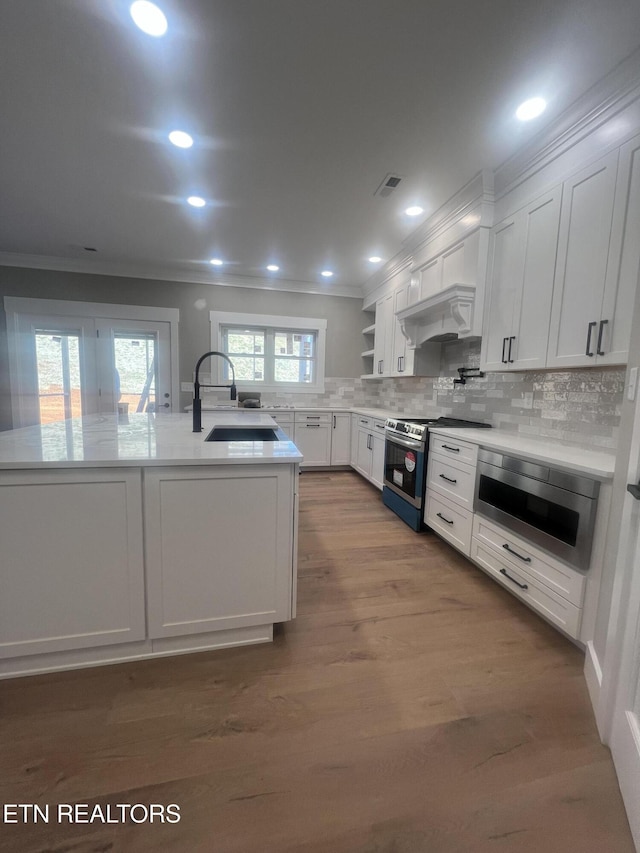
pixel 72 560
pixel 218 547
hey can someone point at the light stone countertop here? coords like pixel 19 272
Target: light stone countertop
pixel 595 463
pixel 103 441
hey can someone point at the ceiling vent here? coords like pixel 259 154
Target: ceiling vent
pixel 388 185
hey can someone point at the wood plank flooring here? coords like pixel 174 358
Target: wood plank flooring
pixel 413 706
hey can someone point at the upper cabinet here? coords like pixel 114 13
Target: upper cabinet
pixel 577 328
pixel 563 271
pixel 523 256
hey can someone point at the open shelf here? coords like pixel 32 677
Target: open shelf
pixel 367 353
pixel 369 330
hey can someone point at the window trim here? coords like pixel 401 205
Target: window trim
pixel 278 323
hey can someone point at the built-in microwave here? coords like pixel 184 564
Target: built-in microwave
pixel 551 508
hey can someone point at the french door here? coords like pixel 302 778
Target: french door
pixel 65 366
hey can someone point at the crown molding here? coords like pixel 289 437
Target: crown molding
pixel 608 97
pixel 222 279
pixel 478 192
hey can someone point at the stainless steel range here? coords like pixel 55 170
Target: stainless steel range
pixel 405 463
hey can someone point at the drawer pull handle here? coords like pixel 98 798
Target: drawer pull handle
pixel 312 426
pixel 448 479
pixel 515 554
pixel 379 426
pixel 312 417
pixel 513 580
pixel 452 449
pixel 443 518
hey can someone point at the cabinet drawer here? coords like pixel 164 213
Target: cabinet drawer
pixel 285 421
pixel 378 427
pixel 523 585
pixel 364 422
pixel 563 580
pixel 313 417
pixel 463 451
pixel 452 479
pixel 450 521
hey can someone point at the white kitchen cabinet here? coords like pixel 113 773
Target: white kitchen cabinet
pixel 341 438
pixel 354 441
pixel 624 259
pixel 392 355
pixel 364 455
pixel 578 330
pixel 451 475
pixel 383 340
pixel 312 437
pixel 72 560
pixel 218 547
pixel 369 457
pixel 521 276
pixel 377 456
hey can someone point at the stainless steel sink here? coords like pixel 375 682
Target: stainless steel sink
pixel 242 433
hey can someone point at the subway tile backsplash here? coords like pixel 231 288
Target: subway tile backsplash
pixel 578 406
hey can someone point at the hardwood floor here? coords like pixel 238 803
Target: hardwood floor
pixel 413 706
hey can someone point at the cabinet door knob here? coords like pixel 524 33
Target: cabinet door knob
pixel 599 349
pixel 590 328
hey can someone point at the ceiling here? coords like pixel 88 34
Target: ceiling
pixel 298 109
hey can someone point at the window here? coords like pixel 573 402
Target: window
pixel 271 353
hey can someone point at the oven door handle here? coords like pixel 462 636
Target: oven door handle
pixel 404 442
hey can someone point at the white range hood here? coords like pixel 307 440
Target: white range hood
pixel 442 317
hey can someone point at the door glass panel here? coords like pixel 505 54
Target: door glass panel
pixel 58 373
pixel 136 371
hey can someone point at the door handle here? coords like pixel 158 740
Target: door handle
pixel 513 580
pixel 511 340
pixel 334 421
pixel 166 406
pixel 504 345
pixel 589 330
pixel 368 442
pixel 599 349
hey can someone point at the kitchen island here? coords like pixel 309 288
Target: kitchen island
pixel 139 538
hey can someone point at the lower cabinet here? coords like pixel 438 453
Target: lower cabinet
pixel 341 438
pixel 524 585
pixel 449 520
pixel 218 549
pixel 312 437
pixel 548 586
pixel 368 459
pixel 72 560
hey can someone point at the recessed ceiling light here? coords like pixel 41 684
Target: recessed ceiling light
pixel 326 273
pixel 374 259
pixel 148 17
pixel 196 201
pixel 180 139
pixel 273 267
pixel 531 109
pixel 414 210
pixel 216 262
